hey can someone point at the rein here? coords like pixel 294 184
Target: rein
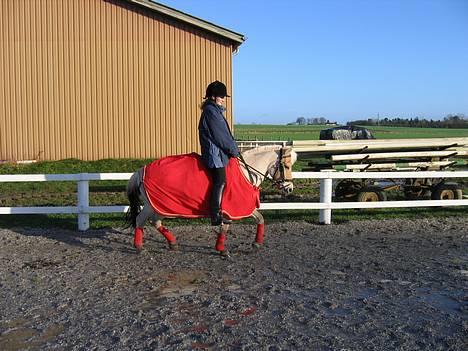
pixel 265 176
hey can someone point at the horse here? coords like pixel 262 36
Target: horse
pixel 272 162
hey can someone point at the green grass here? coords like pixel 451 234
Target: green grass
pixel 276 132
pixel 312 132
pixel 64 193
pixel 74 166
pixel 412 133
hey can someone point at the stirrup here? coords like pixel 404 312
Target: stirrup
pixel 217 220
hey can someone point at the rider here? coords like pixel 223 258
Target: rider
pixel 217 144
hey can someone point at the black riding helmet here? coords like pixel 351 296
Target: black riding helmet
pixel 216 89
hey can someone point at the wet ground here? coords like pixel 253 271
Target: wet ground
pixel 361 285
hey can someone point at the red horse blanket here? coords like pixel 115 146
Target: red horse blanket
pixel 180 186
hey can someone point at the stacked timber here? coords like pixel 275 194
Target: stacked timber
pixel 383 155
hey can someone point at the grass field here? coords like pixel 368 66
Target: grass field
pixel 113 192
pixel 312 132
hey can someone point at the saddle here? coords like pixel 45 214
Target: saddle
pixel 180 186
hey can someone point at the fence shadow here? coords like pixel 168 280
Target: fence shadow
pixel 63 229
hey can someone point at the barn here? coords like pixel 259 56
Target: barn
pixel 95 79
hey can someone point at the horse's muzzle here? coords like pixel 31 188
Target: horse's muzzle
pixel 286 187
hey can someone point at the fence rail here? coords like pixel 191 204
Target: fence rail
pixel 83 209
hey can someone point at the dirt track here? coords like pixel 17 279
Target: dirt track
pixel 371 285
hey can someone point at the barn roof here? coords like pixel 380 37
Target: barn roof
pixel 237 38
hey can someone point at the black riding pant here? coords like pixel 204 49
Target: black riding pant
pixel 218 175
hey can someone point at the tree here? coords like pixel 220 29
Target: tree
pixel 301 121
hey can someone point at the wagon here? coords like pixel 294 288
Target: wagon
pixel 388 155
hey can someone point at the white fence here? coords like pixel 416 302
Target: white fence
pixel 83 209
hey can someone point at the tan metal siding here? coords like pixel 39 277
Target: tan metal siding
pixel 94 79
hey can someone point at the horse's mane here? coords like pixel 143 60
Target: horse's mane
pixel 262 149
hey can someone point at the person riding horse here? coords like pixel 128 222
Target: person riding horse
pixel 161 186
pixel 217 145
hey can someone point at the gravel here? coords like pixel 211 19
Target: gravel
pixel 361 285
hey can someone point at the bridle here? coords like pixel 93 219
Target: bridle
pixel 284 164
pixel 283 167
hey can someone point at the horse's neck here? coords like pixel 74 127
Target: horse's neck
pixel 261 161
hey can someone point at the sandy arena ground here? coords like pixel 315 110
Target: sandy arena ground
pixel 361 285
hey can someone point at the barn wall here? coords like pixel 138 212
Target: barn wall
pixel 93 79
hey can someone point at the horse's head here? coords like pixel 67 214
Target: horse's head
pixel 271 161
pixel 281 171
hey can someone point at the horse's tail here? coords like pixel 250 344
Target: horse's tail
pixel 133 195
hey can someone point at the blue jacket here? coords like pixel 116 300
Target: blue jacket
pixel 216 140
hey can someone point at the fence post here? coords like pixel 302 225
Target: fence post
pixel 83 204
pixel 326 186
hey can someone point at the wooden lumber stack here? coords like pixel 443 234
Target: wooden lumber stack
pixel 383 154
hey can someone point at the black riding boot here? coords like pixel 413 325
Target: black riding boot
pixel 215 203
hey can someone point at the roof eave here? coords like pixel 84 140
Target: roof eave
pixel 237 38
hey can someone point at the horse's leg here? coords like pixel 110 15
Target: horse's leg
pixel 260 229
pixel 171 239
pixel 146 213
pixel 141 219
pixel 220 241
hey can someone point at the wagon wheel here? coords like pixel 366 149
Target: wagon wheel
pixel 371 194
pixel 447 192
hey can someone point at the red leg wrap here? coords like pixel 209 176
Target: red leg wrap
pixel 138 238
pixel 167 234
pixel 260 233
pixel 220 241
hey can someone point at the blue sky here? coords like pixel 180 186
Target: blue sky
pixel 344 59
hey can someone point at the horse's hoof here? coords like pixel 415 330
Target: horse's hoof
pixel 138 250
pixel 224 253
pixel 173 247
pixel 256 246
